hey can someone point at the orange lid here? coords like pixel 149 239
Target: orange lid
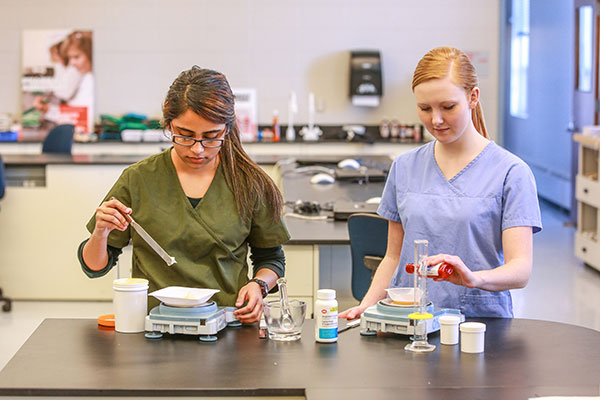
pixel 107 320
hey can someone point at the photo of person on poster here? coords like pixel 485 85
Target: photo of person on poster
pixel 63 90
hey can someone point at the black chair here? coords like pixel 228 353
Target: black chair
pixel 368 242
pixel 59 139
pixel 7 302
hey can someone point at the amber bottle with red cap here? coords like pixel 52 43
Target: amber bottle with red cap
pixel 441 270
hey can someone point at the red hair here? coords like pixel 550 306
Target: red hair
pixel 443 61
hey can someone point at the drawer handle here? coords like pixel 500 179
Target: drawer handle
pixel 585 190
pixel 583 250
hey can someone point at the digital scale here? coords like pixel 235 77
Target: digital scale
pixel 205 320
pixel 387 316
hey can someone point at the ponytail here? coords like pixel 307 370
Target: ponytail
pixel 478 121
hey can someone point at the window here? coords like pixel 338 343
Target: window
pixel 584 70
pixel 519 58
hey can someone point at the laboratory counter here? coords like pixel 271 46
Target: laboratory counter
pixel 522 359
pixel 261 159
pixel 320 228
pixel 297 149
pixel 20 160
pixel 340 134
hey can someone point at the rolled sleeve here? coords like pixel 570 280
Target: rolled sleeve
pixel 113 257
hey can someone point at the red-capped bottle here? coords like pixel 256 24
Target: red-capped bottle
pixel 441 270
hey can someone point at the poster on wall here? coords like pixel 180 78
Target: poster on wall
pixel 57 82
pixel 246 113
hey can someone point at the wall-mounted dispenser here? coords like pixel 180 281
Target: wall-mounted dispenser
pixel 366 82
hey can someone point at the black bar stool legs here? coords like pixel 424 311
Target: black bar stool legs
pixel 7 306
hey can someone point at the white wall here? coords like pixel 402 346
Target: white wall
pixel 272 45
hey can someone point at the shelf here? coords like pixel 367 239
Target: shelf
pixel 587 219
pixel 587 141
pixel 587 250
pixel 587 190
pixel 588 163
pixel 587 193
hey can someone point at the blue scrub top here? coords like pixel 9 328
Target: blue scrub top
pixel 463 216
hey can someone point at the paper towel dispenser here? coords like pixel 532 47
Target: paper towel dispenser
pixel 366 83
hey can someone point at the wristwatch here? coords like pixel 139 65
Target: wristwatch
pixel 264 288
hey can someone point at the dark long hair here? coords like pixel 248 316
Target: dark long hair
pixel 207 93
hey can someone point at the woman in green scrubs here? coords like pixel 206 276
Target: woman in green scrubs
pixel 203 200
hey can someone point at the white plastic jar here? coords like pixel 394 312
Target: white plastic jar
pixel 326 316
pixel 449 329
pixel 130 303
pixel 472 337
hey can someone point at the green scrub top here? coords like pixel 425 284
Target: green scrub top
pixel 210 242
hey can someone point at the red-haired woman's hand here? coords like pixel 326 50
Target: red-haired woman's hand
pixel 462 275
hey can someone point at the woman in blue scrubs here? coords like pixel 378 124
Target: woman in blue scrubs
pixel 474 202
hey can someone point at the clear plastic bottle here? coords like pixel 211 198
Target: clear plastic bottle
pixel 326 316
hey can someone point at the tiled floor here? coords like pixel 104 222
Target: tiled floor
pixel 561 289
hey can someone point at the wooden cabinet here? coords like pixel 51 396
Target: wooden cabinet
pixel 587 193
pixel 41 227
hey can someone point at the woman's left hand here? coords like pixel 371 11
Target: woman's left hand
pixel 252 296
pixel 462 275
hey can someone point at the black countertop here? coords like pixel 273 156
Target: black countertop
pixel 19 160
pixel 331 134
pixel 16 160
pixel 297 186
pixel 522 359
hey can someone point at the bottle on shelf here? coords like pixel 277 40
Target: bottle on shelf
pixel 441 270
pixel 290 133
pixel 276 127
pixel 417 133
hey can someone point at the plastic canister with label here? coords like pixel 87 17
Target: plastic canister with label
pixel 326 316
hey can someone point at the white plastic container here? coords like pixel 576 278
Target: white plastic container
pixel 152 135
pixel 449 329
pixel 405 296
pixel 131 304
pixel 472 337
pixel 326 316
pixel 131 135
pixel 180 296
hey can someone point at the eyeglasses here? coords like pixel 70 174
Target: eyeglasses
pixel 211 143
pixel 190 141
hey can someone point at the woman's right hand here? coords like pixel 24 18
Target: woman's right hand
pixel 40 103
pixel 353 313
pixel 111 215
